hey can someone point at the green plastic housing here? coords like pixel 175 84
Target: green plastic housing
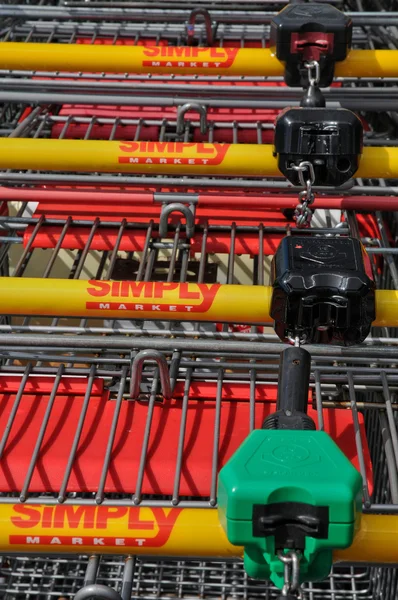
pixel 280 466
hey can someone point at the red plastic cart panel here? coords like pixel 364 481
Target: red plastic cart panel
pixel 127 447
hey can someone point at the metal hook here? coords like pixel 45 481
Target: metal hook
pixel 191 26
pixel 136 372
pixel 96 590
pixel 199 108
pixel 176 207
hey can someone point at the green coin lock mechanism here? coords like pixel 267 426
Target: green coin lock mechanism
pixel 289 487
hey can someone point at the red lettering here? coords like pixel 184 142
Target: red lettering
pixel 105 513
pixel 179 147
pixel 160 288
pixel 231 54
pixel 221 150
pixel 152 52
pixel 185 294
pixel 206 148
pixel 74 516
pixel 129 147
pixel 209 292
pixel 217 53
pixel 47 517
pixel 135 288
pixel 178 51
pixel 135 521
pixel 115 288
pixel 162 146
pixel 33 516
pixel 165 523
pixel 104 288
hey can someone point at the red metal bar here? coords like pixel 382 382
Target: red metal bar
pixel 250 202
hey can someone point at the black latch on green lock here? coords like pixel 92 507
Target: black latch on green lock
pixel 289 487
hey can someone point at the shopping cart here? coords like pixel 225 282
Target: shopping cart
pixel 67 421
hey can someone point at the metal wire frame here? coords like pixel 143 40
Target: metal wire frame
pixel 196 360
pixel 255 13
pixel 144 92
pixel 50 577
pixel 377 581
pixel 162 21
pixel 338 383
pixel 40 122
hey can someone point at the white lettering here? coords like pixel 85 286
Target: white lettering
pixel 122 307
pixel 155 307
pixel 163 161
pixel 32 540
pixel 140 542
pixel 133 160
pixel 205 161
pixel 217 64
pixel 189 308
pixel 155 63
pixel 191 161
pixel 139 307
pixel 177 161
pixel 99 542
pixel 172 308
pixel 120 542
pixel 192 64
pixel 105 306
pixel 169 64
pixel 205 64
pixel 181 64
pixel 55 540
pixel 77 541
pixel 149 161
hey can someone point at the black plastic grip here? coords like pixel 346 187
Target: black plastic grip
pixel 294 380
pixel 293 387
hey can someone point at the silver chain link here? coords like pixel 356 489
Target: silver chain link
pixel 302 213
pixel 314 72
pixel 291 573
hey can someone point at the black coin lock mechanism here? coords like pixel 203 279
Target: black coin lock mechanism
pixel 303 33
pixel 323 290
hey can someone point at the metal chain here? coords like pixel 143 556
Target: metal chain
pixel 291 573
pixel 314 72
pixel 303 213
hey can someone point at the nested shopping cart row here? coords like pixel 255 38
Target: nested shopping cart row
pixel 113 431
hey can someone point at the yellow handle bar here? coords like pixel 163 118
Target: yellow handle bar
pixel 180 60
pixel 149 300
pixel 167 158
pixel 68 529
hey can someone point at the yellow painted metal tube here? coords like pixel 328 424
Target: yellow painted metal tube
pixel 167 158
pixel 138 157
pixel 158 531
pixel 184 60
pixel 375 542
pixel 130 299
pixel 386 308
pixel 139 59
pixel 138 299
pixel 368 63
